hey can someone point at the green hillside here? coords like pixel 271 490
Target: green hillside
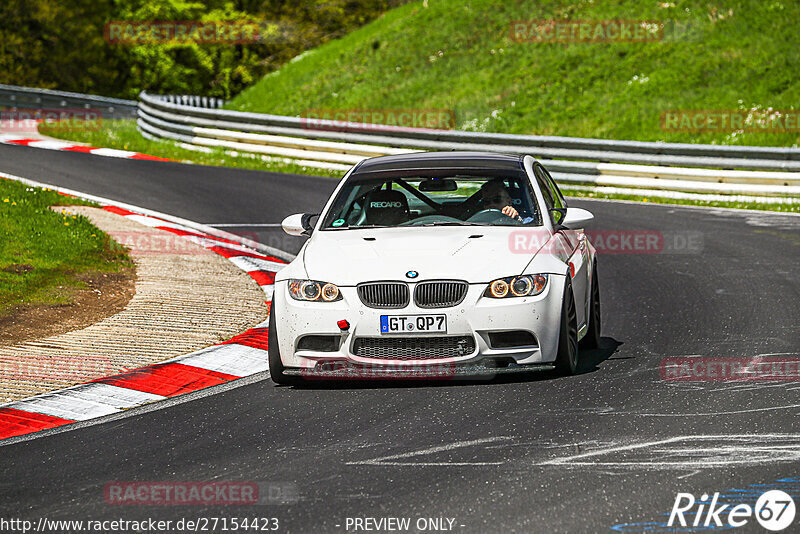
pixel 459 55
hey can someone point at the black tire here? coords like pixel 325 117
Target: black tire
pixel 567 355
pixel 592 338
pixel 276 367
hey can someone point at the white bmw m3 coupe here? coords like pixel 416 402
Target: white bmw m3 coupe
pixel 436 264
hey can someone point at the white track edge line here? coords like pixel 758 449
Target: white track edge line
pixel 743 211
pixel 140 410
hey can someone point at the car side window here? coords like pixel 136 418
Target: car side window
pixel 544 186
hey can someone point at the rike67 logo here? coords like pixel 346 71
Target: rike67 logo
pixel 774 511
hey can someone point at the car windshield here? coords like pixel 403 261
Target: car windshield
pixel 443 200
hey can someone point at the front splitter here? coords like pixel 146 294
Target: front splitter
pixel 342 370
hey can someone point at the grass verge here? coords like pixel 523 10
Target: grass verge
pixel 43 253
pixel 730 55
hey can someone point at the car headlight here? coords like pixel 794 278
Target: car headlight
pixel 516 286
pixel 313 291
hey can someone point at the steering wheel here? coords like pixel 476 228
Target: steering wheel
pixel 492 215
pixel 489 214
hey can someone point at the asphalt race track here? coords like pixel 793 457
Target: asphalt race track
pixel 610 447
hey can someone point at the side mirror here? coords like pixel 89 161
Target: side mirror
pixel 298 224
pixel 576 218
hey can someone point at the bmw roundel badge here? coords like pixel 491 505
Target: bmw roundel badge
pixel 412 274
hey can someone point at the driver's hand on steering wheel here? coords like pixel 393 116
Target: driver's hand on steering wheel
pixel 511 212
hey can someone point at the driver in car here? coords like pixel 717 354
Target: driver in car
pixel 494 195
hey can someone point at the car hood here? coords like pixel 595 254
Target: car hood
pixel 471 253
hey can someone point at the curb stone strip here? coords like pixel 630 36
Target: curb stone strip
pixel 70 147
pixel 242 355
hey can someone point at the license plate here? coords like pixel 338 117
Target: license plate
pixel 396 324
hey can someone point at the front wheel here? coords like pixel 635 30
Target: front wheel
pixel 567 355
pixel 276 369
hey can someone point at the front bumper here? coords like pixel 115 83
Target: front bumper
pixel 476 317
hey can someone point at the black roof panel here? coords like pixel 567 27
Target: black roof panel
pixel 441 160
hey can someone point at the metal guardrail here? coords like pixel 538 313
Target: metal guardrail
pixel 600 150
pixel 13 97
pixel 337 145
